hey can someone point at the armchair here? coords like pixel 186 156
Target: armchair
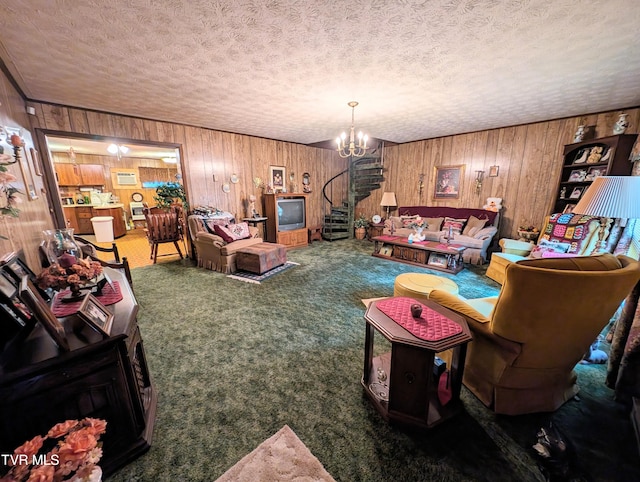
pixel 528 339
pixel 212 251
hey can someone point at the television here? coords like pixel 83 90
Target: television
pixel 291 214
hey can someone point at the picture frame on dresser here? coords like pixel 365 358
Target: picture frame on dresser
pixel 96 315
pixel 576 193
pixel 29 295
pixel 568 209
pixel 577 175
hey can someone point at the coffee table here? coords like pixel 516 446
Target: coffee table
pixel 427 254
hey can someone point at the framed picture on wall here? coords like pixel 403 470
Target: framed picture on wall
pixel 493 171
pixel 276 178
pixel 447 182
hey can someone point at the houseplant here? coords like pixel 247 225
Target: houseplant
pixel 167 194
pixel 360 224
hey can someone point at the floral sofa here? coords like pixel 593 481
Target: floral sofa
pixel 217 239
pixel 471 228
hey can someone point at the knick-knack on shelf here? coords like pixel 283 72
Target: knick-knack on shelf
pixel 621 124
pixel 579 135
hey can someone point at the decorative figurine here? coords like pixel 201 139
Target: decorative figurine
pixel 621 124
pixel 579 135
pixel 416 310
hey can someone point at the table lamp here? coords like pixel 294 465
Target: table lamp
pixel 610 197
pixel 388 200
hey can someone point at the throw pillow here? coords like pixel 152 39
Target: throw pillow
pixel 474 225
pixel 405 221
pixel 544 247
pixel 232 232
pixel 433 224
pixel 455 224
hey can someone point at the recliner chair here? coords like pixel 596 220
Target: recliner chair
pixel 528 339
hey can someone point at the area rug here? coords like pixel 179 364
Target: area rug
pixel 258 278
pixel 282 457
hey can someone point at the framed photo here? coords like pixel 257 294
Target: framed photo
pixel 576 193
pixel 493 171
pixel 438 259
pixel 276 178
pixel 577 175
pixel 40 309
pixel 448 181
pixel 12 264
pixel 594 172
pixel 11 305
pixel 95 313
pixel 568 209
pixel 35 159
pixel 386 250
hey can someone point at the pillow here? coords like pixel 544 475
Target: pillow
pixel 406 221
pixel 474 225
pixel 433 224
pixel 456 225
pixel 544 247
pixel 232 232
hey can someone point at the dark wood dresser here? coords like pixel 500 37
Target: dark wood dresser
pixel 105 378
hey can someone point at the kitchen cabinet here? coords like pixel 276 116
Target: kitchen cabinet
pixel 70 219
pixel 80 174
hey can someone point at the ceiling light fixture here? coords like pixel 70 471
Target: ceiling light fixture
pixel 352 150
pixel 117 149
pixel 170 160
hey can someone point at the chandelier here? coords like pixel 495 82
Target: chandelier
pixel 352 150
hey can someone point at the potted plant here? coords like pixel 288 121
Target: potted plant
pixel 167 194
pixel 360 224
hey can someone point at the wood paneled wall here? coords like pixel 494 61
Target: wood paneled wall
pixel 529 158
pixel 24 232
pixel 207 155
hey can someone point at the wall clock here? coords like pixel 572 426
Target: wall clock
pixel 137 197
pixel 376 219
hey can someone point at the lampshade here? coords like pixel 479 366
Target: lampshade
pixel 388 199
pixel 611 197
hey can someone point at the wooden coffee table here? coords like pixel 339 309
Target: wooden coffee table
pixel 427 254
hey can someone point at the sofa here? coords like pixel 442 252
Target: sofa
pixel 214 244
pixel 472 228
pixel 563 235
pixel 528 339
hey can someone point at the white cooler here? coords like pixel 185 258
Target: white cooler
pixel 103 228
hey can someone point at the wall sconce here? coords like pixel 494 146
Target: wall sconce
pixel 479 179
pixel 420 185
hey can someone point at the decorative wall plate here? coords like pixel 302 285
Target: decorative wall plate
pixel 137 197
pixel 376 219
pixel 234 178
pixel 226 187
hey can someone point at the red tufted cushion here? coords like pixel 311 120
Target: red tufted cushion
pixel 232 232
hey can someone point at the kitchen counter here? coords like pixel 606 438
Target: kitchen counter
pixel 94 206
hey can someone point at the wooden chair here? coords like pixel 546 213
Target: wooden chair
pixel 163 227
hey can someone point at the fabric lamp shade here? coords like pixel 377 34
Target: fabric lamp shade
pixel 388 199
pixel 611 197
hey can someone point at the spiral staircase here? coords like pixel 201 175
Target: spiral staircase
pixel 365 175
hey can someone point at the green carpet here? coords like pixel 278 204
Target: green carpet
pixel 234 362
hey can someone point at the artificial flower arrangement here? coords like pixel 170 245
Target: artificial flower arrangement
pixel 69 273
pixel 73 451
pixel 8 195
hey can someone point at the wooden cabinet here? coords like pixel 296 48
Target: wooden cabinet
pixel 277 215
pixel 583 161
pixel 91 174
pixel 102 378
pixel 80 174
pixel 67 174
pixel 83 217
pixel 70 219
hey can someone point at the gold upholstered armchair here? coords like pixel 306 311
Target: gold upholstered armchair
pixel 528 339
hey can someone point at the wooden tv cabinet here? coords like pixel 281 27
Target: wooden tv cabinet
pixel 291 238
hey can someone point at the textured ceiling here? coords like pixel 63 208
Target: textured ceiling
pixel 285 69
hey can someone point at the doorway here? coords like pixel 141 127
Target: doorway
pixel 87 173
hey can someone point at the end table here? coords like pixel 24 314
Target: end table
pixel 375 230
pixel 403 384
